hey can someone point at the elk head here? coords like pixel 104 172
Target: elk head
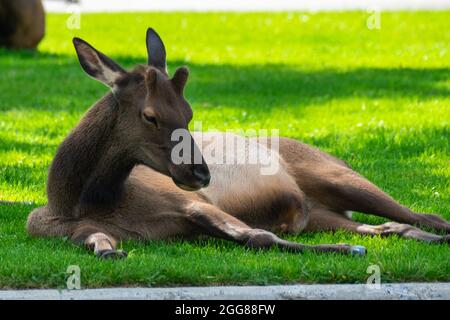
pixel 150 106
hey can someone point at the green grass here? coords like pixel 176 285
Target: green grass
pixel 378 99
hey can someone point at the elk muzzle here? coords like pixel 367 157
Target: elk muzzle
pixel 190 177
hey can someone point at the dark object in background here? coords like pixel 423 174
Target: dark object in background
pixel 22 23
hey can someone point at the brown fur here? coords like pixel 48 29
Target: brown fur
pixel 112 178
pixel 22 23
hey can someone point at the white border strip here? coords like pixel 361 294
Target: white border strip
pixel 244 5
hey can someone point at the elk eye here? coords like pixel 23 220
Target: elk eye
pixel 150 119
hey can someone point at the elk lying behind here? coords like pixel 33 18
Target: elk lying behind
pixel 113 178
pixel 22 23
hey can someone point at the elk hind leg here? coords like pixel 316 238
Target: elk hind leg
pixel 347 190
pixel 322 219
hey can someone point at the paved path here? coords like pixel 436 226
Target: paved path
pixel 242 5
pixel 408 291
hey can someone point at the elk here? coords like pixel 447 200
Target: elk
pixel 114 178
pixel 22 23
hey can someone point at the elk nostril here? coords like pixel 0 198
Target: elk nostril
pixel 202 174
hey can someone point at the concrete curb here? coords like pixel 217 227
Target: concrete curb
pixel 401 291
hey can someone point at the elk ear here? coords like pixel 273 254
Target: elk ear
pixel 155 50
pixel 96 64
pixel 179 79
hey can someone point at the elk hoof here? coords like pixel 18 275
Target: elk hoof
pixel 358 250
pixel 112 254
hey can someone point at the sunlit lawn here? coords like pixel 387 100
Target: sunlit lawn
pixel 378 99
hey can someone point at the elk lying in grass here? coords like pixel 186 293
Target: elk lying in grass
pixel 113 178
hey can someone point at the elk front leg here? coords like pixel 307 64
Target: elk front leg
pixel 217 223
pixel 102 244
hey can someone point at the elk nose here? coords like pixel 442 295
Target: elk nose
pixel 202 174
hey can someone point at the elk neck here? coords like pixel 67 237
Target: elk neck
pixel 90 166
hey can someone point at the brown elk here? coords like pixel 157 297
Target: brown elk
pixel 22 23
pixel 114 178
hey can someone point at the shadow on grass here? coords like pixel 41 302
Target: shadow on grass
pixel 57 83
